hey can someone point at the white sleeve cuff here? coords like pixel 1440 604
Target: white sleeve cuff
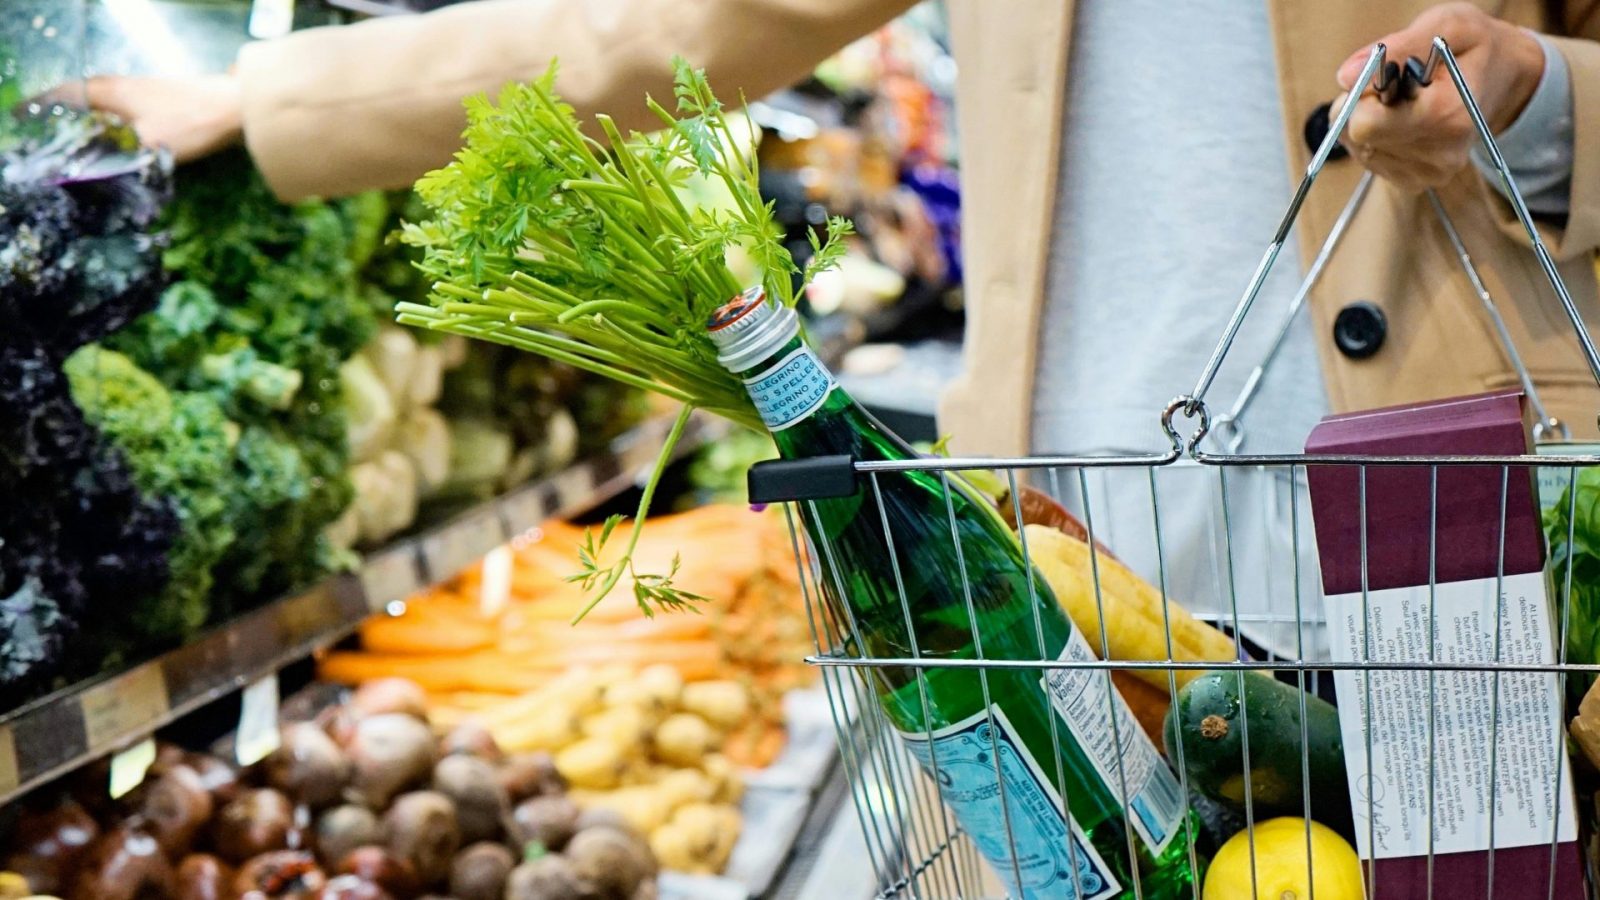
pixel 1537 147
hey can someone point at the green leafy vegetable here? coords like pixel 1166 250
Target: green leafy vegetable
pixel 1572 530
pixel 545 239
pixel 178 447
pixel 264 308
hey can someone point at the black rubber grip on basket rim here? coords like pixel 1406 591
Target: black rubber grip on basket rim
pixel 814 478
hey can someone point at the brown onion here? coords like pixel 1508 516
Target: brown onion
pixel 176 807
pixel 384 869
pixel 390 695
pixel 123 864
pixel 258 822
pixel 288 874
pixel 202 876
pixel 308 766
pixel 49 843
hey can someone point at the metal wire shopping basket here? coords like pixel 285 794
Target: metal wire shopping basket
pixel 1258 567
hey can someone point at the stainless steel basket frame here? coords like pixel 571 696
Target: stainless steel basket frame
pixel 916 846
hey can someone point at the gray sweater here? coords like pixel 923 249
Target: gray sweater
pixel 1173 176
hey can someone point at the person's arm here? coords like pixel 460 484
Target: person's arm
pixel 1428 141
pixel 333 110
pixel 1537 147
pixel 1580 234
pixel 337 110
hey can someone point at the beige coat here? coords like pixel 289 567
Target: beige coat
pixel 376 105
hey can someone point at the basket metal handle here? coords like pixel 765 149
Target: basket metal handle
pixel 1383 79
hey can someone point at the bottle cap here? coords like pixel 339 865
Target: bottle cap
pixel 749 328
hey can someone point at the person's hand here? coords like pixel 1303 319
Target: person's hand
pixel 1424 142
pixel 191 117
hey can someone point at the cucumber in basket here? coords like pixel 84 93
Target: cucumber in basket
pixel 1207 715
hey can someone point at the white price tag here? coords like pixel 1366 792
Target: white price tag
pixel 258 722
pixel 271 18
pixel 494 588
pixel 128 768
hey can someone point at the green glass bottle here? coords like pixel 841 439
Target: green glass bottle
pixel 1038 738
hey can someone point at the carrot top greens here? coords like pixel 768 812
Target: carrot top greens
pixel 596 254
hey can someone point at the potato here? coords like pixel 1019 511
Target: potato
pixel 684 739
pixel 673 850
pixel 636 695
pixel 681 786
pixel 724 704
pixel 592 763
pixel 644 809
pixel 711 830
pixel 549 729
pixel 624 726
pixel 663 682
pixel 724 777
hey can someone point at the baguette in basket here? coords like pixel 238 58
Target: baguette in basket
pixel 1136 617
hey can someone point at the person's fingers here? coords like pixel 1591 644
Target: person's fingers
pixel 1461 24
pixel 1408 173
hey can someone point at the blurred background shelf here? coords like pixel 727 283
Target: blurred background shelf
pixel 56 734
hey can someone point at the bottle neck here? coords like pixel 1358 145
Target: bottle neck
pixel 809 414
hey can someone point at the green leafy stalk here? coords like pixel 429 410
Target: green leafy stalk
pixel 542 238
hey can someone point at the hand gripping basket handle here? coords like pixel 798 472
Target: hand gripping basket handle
pixel 1393 85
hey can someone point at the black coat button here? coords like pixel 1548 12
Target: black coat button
pixel 1316 130
pixel 1359 329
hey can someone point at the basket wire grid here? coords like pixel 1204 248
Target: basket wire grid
pixel 916 846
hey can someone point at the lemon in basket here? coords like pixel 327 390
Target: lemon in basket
pixel 1281 872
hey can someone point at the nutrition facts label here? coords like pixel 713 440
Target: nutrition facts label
pixel 791 389
pixel 1085 700
pixel 1508 723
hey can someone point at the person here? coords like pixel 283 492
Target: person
pixel 1123 168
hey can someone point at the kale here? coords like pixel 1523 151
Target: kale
pixel 177 446
pixel 76 263
pixel 76 258
pixel 264 307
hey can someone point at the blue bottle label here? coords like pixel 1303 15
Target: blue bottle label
pixel 791 389
pixel 977 761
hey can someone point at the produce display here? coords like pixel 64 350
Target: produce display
pixel 262 309
pixel 498 657
pixel 228 398
pixel 365 802
pixel 79 525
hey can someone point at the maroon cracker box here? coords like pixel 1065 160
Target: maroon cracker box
pixel 1485 568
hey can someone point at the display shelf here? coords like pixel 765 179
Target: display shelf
pixel 50 737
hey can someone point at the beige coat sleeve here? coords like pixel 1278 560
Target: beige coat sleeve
pixel 1580 237
pixel 332 111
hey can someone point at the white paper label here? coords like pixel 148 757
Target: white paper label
pixel 1528 738
pixel 258 722
pixel 975 765
pixel 494 583
pixel 129 767
pixel 1086 701
pixel 790 389
pixel 271 18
